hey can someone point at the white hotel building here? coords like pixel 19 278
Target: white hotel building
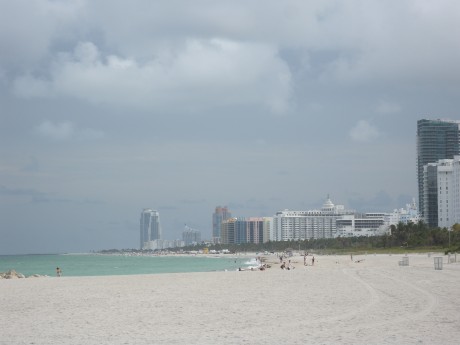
pixel 329 222
pixel 447 183
pixel 408 215
pixel 302 225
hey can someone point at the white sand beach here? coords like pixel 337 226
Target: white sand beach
pixel 336 301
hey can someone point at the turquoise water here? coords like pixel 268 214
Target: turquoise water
pixel 101 265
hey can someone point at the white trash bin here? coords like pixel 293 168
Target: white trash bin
pixel 438 263
pixel 405 261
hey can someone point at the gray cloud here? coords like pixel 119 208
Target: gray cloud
pixel 374 203
pixel 226 71
pixel 32 166
pixel 8 191
pixel 363 131
pixel 385 107
pixel 109 107
pixel 60 131
pixel 66 131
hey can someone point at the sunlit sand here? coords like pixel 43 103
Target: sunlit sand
pixel 368 300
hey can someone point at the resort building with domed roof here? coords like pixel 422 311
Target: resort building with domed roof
pixel 328 222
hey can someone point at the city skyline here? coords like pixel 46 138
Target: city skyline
pixel 110 107
pixel 222 215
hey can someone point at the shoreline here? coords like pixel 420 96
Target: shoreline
pixel 271 260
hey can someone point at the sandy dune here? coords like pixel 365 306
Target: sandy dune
pixel 336 301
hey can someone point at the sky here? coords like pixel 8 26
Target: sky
pixel 110 107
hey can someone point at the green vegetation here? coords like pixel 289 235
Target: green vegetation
pixel 403 238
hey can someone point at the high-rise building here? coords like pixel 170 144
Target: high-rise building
pixel 442 192
pixel 430 195
pixel 436 139
pixel 456 190
pixel 191 236
pixel 150 229
pixel 268 226
pixel 446 192
pixel 227 234
pixel 244 230
pixel 219 215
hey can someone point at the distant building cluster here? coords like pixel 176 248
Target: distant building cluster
pixel 328 222
pixel 438 173
pixel 151 233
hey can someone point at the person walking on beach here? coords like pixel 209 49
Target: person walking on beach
pixel 58 272
pixel 312 260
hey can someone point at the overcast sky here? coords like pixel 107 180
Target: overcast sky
pixel 109 107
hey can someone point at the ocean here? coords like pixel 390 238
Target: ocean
pixel 102 265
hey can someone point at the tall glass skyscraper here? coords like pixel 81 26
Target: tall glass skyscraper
pixel 436 139
pixel 219 215
pixel 430 195
pixel 149 226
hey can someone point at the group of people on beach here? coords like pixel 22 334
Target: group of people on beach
pixel 287 267
pixel 262 267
